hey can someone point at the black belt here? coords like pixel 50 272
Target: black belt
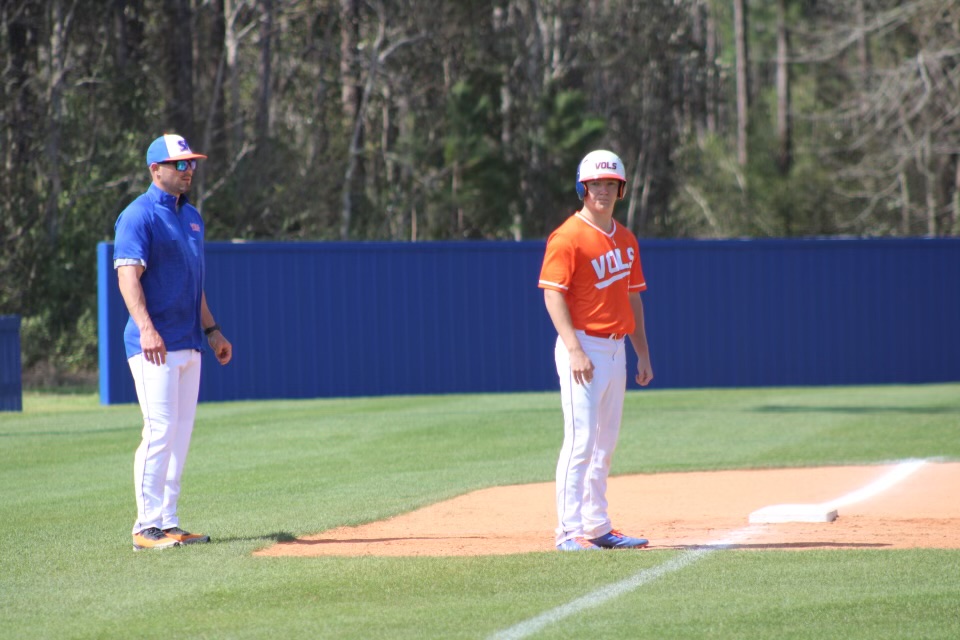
pixel 608 336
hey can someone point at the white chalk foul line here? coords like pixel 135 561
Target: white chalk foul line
pixel 609 592
pixel 881 484
pixel 533 625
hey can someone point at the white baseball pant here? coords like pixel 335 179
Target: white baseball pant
pixel 592 413
pixel 168 400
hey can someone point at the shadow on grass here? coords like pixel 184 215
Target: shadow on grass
pixel 58 434
pixel 279 536
pixel 325 541
pixel 858 410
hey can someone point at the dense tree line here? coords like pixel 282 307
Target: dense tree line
pixel 430 119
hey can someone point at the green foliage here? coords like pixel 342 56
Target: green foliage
pixel 73 347
pixel 487 182
pixel 465 133
pixel 569 128
pixel 718 198
pixel 481 179
pixel 712 201
pixel 569 133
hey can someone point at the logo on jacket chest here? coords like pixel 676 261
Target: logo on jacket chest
pixel 611 266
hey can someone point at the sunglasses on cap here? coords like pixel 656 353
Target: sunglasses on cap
pixel 181 165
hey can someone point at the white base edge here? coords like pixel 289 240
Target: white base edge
pixel 778 513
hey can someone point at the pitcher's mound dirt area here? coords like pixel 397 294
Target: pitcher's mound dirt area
pixel 673 510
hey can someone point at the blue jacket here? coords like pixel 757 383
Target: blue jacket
pixel 168 240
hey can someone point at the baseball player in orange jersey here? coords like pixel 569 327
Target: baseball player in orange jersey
pixel 591 280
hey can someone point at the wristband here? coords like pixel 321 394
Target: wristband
pixel 210 330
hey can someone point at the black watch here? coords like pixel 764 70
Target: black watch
pixel 210 330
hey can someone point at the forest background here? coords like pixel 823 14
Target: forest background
pixel 418 120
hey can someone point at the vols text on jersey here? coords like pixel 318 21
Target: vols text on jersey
pixel 610 267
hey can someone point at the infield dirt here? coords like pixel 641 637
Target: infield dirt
pixel 673 510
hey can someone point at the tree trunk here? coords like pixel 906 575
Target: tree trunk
pixel 930 179
pixel 740 22
pixel 22 37
pixel 405 134
pixel 262 124
pixel 121 53
pixel 863 52
pixel 504 22
pixel 712 91
pixel 902 180
pixel 696 72
pixel 59 27
pixel 955 223
pixel 180 69
pixel 349 71
pixel 214 142
pixel 216 127
pixel 784 124
pixel 350 101
pixel 232 51
pixel 127 44
pixel 639 196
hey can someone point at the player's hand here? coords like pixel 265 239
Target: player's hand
pixel 644 371
pixel 222 349
pixel 581 366
pixel 152 345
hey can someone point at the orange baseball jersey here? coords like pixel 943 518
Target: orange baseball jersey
pixel 595 270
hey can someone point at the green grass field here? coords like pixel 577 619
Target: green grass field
pixel 265 471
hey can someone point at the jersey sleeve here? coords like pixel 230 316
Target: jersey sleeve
pixel 637 281
pixel 132 239
pixel 558 263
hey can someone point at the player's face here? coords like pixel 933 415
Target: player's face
pixel 601 194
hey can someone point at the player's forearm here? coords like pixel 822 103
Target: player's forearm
pixel 559 313
pixel 639 335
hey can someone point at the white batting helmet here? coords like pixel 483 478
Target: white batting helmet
pixel 600 165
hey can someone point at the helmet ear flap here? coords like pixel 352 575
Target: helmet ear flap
pixel 581 188
pixel 621 190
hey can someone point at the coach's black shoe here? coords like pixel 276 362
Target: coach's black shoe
pixel 153 538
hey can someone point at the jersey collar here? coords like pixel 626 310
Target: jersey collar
pixel 610 233
pixel 168 199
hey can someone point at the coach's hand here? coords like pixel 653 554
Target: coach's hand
pixel 152 345
pixel 222 349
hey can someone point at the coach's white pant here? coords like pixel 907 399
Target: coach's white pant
pixel 591 425
pixel 168 400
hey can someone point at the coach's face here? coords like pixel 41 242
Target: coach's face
pixel 170 179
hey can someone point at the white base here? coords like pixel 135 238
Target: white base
pixel 793 513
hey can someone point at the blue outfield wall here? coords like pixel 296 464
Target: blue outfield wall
pixel 364 319
pixel 11 375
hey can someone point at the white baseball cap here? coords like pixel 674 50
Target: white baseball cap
pixel 169 147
